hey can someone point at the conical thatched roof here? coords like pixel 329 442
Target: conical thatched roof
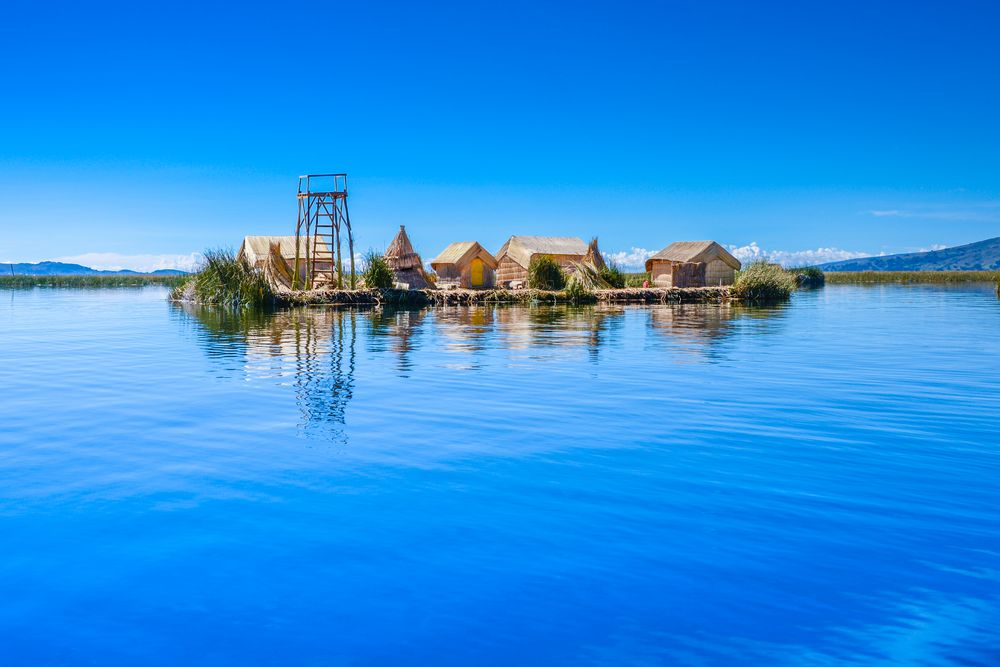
pixel 405 263
pixel 400 254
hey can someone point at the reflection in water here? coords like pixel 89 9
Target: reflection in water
pixel 396 330
pixel 810 485
pixel 700 329
pixel 312 350
pixel 592 327
pixel 474 329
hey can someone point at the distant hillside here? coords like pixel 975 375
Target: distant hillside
pixel 62 269
pixel 979 256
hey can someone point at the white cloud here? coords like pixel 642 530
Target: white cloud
pixel 630 259
pixel 752 251
pixel 112 261
pixel 635 258
pixel 973 212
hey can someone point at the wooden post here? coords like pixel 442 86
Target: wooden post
pixel 340 265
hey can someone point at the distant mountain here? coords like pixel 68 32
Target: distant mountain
pixel 63 269
pixel 979 256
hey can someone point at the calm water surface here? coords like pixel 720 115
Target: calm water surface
pixel 810 485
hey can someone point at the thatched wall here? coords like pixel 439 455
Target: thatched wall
pixel 461 275
pixel 718 272
pixel 508 269
pixel 668 274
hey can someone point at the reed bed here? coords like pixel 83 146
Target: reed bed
pixel 808 276
pixel 98 281
pixel 877 277
pixel 377 273
pixel 762 283
pixel 545 274
pixel 227 281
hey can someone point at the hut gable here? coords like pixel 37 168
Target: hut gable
pixel 465 264
pixel 692 264
pixel 255 249
pixel 462 253
pixel 516 254
pixel 694 251
pixel 521 249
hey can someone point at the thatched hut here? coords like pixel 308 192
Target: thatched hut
pixel 465 264
pixel 406 263
pixel 516 254
pixel 255 250
pixel 677 265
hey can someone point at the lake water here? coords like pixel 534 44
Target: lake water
pixel 815 484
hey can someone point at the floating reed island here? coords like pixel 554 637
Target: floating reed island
pixel 468 297
pixel 254 279
pixel 308 268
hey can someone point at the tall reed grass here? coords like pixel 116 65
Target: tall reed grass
pixel 545 273
pixel 227 281
pixel 377 272
pixel 808 276
pixel 762 283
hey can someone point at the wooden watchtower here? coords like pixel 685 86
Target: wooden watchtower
pixel 323 218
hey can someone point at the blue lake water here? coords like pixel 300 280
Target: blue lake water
pixel 815 484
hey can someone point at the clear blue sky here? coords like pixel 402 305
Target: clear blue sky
pixel 163 129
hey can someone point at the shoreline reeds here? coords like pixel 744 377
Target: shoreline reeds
pixel 18 281
pixel 228 281
pixel 913 277
pixel 762 283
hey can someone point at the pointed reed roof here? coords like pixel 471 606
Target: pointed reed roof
pixel 594 256
pixel 400 254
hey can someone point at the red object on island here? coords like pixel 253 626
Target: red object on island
pixel 645 284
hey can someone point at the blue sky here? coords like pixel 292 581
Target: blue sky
pixel 135 135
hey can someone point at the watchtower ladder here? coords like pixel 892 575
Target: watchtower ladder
pixel 323 219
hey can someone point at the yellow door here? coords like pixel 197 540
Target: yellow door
pixel 477 272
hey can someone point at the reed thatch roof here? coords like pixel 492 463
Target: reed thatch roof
pixel 522 248
pixel 594 256
pixel 694 251
pixel 257 248
pixel 400 254
pixel 464 251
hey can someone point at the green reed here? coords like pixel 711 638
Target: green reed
pixel 762 283
pixel 877 277
pixel 141 280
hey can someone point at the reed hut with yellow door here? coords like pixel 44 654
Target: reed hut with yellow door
pixel 516 254
pixel 465 264
pixel 692 264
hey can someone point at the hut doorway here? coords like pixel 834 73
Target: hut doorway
pixel 476 271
